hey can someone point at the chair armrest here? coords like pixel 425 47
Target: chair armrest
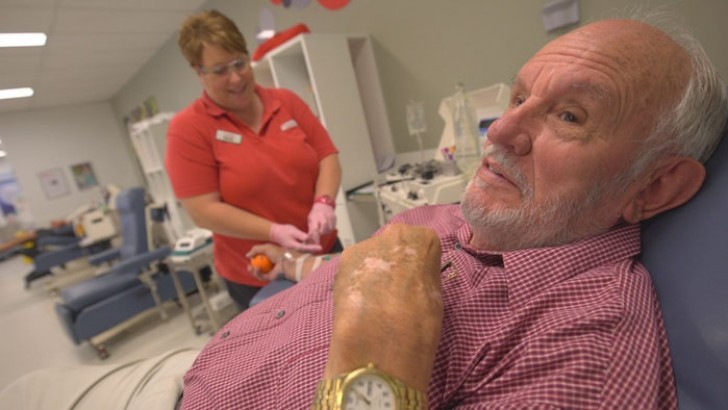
pixel 47 260
pixel 56 240
pixel 89 242
pixel 138 262
pixel 105 256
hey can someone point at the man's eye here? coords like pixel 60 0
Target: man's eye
pixel 239 65
pixel 569 117
pixel 518 101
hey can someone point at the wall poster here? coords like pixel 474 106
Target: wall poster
pixel 84 175
pixel 54 183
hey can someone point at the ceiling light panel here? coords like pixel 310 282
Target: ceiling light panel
pixel 22 39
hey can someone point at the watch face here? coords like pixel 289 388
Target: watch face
pixel 369 391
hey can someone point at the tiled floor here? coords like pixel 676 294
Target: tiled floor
pixel 32 337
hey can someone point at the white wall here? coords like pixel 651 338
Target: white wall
pixel 423 47
pixel 58 138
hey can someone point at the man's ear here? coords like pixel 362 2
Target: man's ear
pixel 670 185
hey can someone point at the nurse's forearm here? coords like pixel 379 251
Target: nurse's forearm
pixel 329 177
pixel 228 220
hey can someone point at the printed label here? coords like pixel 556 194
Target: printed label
pixel 228 136
pixel 288 125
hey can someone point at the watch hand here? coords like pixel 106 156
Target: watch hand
pixel 363 397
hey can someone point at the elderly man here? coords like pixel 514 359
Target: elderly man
pixel 528 294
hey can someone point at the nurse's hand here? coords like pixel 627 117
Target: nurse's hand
pixel 290 237
pixel 321 220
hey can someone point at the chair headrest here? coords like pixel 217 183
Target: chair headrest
pixel 130 199
pixel 686 252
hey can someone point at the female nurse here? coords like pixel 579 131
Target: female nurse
pixel 249 163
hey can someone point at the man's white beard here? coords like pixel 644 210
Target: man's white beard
pixel 559 221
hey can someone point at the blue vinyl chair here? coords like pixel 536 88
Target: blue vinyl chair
pixel 60 236
pixel 138 282
pixel 269 290
pixel 686 252
pixel 57 247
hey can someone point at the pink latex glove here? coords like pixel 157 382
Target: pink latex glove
pixel 290 237
pixel 321 220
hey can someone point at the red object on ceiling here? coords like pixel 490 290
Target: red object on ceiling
pixel 276 2
pixel 334 4
pixel 279 39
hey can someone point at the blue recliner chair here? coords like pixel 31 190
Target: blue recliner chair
pixel 49 252
pixel 686 252
pixel 56 247
pixel 269 290
pixel 135 241
pixel 60 236
pixel 137 283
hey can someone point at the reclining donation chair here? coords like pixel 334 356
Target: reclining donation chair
pixel 686 251
pixel 133 287
pixel 56 247
pixel 59 236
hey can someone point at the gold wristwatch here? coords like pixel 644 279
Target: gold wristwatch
pixel 367 388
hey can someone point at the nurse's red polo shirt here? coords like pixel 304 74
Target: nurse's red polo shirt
pixel 271 174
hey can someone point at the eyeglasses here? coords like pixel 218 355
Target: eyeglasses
pixel 239 65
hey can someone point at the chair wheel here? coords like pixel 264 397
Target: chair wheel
pixel 102 352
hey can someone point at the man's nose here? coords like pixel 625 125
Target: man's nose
pixel 512 131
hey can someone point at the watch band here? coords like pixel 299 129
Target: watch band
pixel 326 390
pixel 329 392
pixel 325 199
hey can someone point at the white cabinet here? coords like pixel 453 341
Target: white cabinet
pixel 337 76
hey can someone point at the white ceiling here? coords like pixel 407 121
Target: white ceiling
pixel 94 46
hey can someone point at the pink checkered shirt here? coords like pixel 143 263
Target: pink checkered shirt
pixel 575 326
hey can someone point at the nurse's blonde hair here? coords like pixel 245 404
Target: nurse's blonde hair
pixel 212 28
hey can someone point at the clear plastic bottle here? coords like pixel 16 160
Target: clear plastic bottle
pixel 465 129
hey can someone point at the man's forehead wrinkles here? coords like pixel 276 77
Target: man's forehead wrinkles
pixel 596 91
pixel 591 89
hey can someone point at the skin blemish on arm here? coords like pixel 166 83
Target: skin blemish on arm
pixel 410 251
pixel 369 265
pixel 356 298
pixel 377 264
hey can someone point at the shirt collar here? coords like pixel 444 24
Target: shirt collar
pixel 211 107
pixel 530 271
pixel 271 105
pixel 464 234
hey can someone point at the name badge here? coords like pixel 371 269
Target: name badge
pixel 227 136
pixel 288 125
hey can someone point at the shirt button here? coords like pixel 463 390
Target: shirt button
pixel 458 245
pixel 225 334
pixel 280 314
